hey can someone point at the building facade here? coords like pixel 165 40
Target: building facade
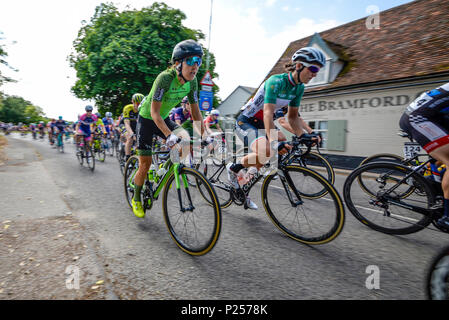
pixel 372 75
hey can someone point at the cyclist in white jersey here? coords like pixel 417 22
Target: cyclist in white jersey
pixel 255 125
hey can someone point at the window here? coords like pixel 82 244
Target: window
pixel 320 127
pixel 322 77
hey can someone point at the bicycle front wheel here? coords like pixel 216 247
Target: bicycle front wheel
pixel 192 221
pixel 437 281
pixel 304 219
pixel 90 157
pixel 383 210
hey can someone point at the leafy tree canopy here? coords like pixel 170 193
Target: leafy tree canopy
pixel 16 109
pixel 118 54
pixel 3 55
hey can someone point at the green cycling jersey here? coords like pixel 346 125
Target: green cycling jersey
pixel 168 90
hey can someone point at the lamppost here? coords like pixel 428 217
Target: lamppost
pixel 210 28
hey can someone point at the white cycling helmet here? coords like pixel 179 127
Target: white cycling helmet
pixel 215 112
pixel 310 55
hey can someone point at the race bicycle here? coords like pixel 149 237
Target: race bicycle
pixel 98 147
pixel 84 152
pixel 191 210
pixel 299 201
pixel 394 198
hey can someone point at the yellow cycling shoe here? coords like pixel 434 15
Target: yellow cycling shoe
pixel 137 209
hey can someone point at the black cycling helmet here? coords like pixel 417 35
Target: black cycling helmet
pixel 187 48
pixel 89 108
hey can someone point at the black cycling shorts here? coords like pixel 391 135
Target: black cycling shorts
pixel 146 130
pixel 249 130
pixel 429 133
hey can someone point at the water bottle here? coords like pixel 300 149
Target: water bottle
pixel 252 171
pixel 150 174
pixel 161 170
pixel 242 177
pixel 435 172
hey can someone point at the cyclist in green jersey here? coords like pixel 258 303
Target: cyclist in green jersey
pixel 168 90
pixel 130 113
pixel 255 125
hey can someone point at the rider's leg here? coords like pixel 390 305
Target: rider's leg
pixel 442 154
pixel 128 146
pixel 139 179
pixel 262 152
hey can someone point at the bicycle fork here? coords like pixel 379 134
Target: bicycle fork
pixel 178 176
pixel 288 186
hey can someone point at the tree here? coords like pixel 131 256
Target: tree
pixel 118 54
pixel 16 109
pixel 4 54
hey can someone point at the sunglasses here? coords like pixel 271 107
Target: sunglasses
pixel 192 60
pixel 312 68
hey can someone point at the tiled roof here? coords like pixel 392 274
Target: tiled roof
pixel 413 40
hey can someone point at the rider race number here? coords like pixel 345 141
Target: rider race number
pixel 411 150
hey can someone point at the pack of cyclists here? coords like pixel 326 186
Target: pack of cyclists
pixel 171 109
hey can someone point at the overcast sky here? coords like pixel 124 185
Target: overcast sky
pixel 247 38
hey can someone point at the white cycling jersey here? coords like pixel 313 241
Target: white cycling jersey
pixel 280 90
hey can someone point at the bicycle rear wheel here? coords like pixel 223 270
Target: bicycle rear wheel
pixel 130 171
pixel 384 211
pixel 318 163
pixel 193 223
pixel 307 220
pixel 101 154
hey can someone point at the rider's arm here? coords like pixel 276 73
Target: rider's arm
pixel 295 121
pixel 207 128
pixel 270 128
pixel 197 118
pixel 306 126
pixel 128 128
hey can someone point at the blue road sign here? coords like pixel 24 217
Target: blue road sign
pixel 206 100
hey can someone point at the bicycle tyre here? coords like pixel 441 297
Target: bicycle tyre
pixel 336 226
pixel 171 223
pixel 310 161
pixel 418 181
pixel 130 169
pixel 437 278
pixel 224 200
pixel 382 157
pixel 90 157
pixel 80 157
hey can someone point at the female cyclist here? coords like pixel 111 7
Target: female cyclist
pixel 255 125
pixel 168 90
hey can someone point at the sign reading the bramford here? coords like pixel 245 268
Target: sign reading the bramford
pixel 355 104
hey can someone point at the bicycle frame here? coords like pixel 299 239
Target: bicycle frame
pixel 285 178
pixel 171 168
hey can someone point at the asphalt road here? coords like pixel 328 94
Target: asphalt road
pixel 252 259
